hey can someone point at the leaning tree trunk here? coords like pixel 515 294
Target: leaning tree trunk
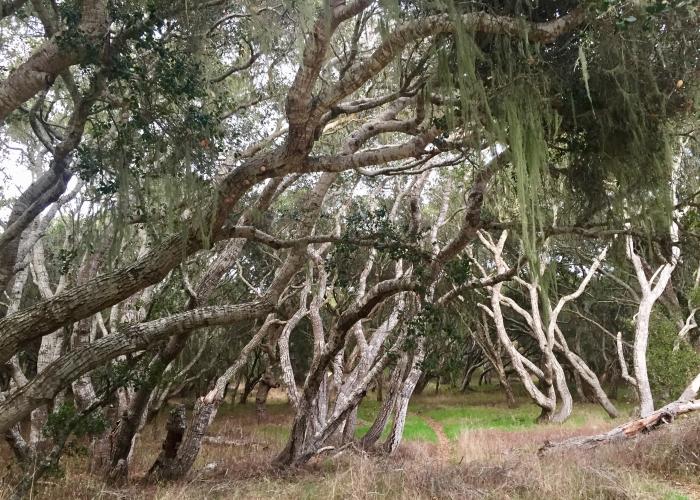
pixel 350 427
pixel 628 430
pixel 385 410
pixel 403 398
pixel 563 411
pixel 169 467
pixel 422 383
pixel 505 385
pixel 172 467
pixel 467 379
pixel 129 425
pixel 544 397
pixel 587 379
pixel 250 383
pixel 508 390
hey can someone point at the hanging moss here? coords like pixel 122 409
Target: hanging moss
pixel 603 96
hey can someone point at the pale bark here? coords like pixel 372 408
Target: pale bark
pixel 72 306
pixel 129 339
pixel 583 371
pixel 623 364
pixel 550 338
pixel 283 349
pixel 321 430
pixel 404 396
pixel 651 290
pixel 80 303
pixel 180 462
pixel 131 419
pixel 110 288
pixel 692 390
pixel 301 444
pixel 440 256
pixel 52 57
pixel 366 354
pixel 207 406
pixel 685 404
pixel 520 364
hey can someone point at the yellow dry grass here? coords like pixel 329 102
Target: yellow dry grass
pixel 498 463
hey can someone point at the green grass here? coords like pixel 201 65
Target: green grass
pixel 455 419
pixel 483 408
pixel 456 412
pixel 415 429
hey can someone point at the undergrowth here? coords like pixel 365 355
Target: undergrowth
pixel 492 454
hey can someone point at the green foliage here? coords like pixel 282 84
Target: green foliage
pixel 690 220
pixel 66 420
pixel 670 368
pixel 364 224
pixel 117 374
pixel 694 297
pixel 446 342
pixel 623 146
pixel 427 323
pixel 65 257
pixel 459 270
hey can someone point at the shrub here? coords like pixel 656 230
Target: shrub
pixel 670 368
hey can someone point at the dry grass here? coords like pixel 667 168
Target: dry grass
pixel 492 463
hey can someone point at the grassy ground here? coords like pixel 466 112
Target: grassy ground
pixel 455 446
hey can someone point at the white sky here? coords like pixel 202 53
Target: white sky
pixel 17 175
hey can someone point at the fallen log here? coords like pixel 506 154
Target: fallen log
pixel 685 404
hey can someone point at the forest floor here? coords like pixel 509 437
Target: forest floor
pixel 455 446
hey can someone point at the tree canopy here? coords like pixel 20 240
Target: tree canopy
pixel 321 195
